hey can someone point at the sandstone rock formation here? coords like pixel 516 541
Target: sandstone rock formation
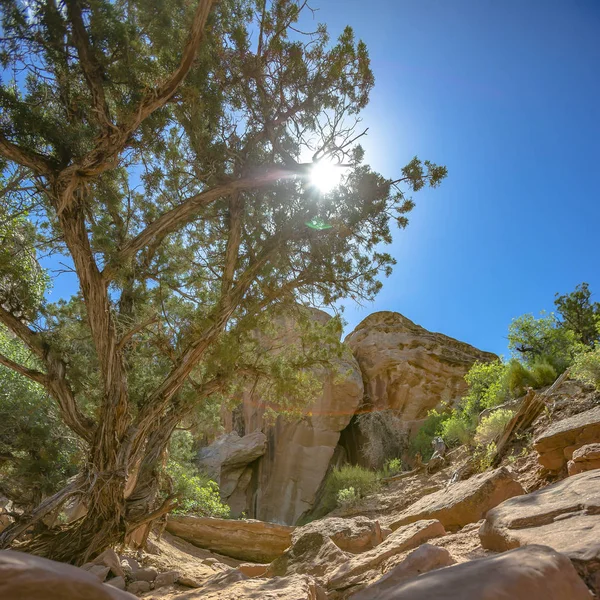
pixel 405 538
pixel 283 484
pixel 355 535
pixel 462 502
pixel 311 554
pixel 586 458
pixel 226 459
pixel 28 577
pixel 407 368
pixel 557 443
pixel 422 560
pixel 244 539
pixel 296 587
pixel 564 516
pixel 524 574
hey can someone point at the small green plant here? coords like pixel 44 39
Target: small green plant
pixel 363 481
pixel 457 429
pixel 393 466
pixel 586 367
pixel 196 494
pixel 484 457
pixel 492 426
pixel 347 497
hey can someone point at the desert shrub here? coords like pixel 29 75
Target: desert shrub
pixel 384 435
pixel 363 481
pixel 543 339
pixel 483 456
pixel 586 367
pixel 492 425
pixel 430 428
pixel 457 429
pixel 543 373
pixel 196 493
pixel 392 466
pixel 487 386
pixel 347 497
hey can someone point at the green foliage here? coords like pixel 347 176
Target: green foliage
pixel 579 314
pixel 347 497
pixel 37 452
pixel 586 367
pixel 362 481
pixel 393 466
pixel 543 339
pixel 23 282
pixel 487 385
pixel 492 425
pixel 483 457
pixel 181 203
pixel 196 493
pixel 458 428
pixel 431 427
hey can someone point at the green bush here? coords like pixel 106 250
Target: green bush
pixel 586 367
pixel 393 466
pixel 492 426
pixel 347 497
pixel 457 429
pixel 363 481
pixel 196 494
pixel 431 428
pixel 543 373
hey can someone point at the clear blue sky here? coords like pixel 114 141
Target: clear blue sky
pixel 507 95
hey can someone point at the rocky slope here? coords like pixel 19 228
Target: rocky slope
pixel 518 531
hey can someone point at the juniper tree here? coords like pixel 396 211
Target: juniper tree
pixel 166 150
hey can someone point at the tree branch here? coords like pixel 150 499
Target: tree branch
pixel 185 212
pixel 92 70
pixel 32 374
pixel 40 164
pixel 105 154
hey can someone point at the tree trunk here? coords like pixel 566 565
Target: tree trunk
pixel 102 526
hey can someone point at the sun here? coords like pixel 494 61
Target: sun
pixel 325 175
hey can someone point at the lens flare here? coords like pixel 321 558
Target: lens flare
pixel 325 176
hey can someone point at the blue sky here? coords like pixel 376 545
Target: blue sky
pixel 507 95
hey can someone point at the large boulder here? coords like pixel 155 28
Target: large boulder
pixel 226 459
pixel 532 573
pixel 352 571
pixel 407 368
pixel 422 560
pixel 311 554
pixel 283 484
pixel 557 443
pixel 462 502
pixel 355 535
pixel 564 516
pixel 244 539
pixel 27 577
pixel 296 587
pixel 586 458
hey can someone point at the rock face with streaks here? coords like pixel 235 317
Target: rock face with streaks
pixel 407 368
pixel 282 484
